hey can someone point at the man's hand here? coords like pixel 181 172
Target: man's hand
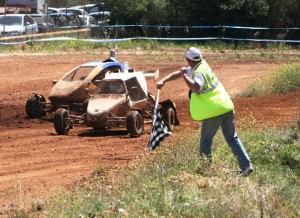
pixel 183 71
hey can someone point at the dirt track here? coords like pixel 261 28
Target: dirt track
pixel 35 160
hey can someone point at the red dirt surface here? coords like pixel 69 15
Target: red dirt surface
pixel 35 161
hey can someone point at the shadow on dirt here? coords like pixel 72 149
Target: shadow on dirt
pixel 105 133
pixel 46 119
pixel 42 119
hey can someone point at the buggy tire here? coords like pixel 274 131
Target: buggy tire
pixel 168 116
pixel 62 122
pixel 135 123
pixel 35 106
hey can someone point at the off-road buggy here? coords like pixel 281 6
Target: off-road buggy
pixel 70 89
pixel 120 100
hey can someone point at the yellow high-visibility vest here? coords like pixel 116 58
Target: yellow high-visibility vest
pixel 212 100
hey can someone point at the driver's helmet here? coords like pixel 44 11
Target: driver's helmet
pixel 116 88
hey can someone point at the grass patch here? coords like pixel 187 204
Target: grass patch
pixel 71 45
pixel 284 80
pixel 175 182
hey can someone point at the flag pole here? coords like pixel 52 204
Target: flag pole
pixel 157 99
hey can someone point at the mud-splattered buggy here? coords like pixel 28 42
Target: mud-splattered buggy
pixel 120 100
pixel 70 89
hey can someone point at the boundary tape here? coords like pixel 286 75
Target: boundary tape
pixel 202 27
pixel 146 38
pixel 165 39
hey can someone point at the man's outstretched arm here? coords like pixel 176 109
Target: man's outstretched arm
pixel 171 76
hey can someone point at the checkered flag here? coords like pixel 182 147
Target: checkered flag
pixel 159 129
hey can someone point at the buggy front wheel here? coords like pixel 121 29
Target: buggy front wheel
pixel 135 123
pixel 168 116
pixel 62 121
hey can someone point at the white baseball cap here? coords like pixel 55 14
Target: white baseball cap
pixel 193 54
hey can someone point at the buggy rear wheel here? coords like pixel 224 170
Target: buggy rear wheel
pixel 35 106
pixel 135 123
pixel 62 121
pixel 168 116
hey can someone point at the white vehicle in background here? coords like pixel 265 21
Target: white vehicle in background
pixel 91 7
pixel 102 17
pixel 52 10
pixel 88 21
pixel 17 24
pixel 77 11
pixel 66 19
pixel 44 22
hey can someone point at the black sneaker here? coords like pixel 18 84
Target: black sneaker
pixel 246 172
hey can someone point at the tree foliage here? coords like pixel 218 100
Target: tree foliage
pixel 271 13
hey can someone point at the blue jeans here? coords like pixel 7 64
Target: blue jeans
pixel 209 129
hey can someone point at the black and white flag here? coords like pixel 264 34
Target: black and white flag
pixel 159 129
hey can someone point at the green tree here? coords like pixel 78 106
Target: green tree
pixel 138 11
pixel 283 13
pixel 269 13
